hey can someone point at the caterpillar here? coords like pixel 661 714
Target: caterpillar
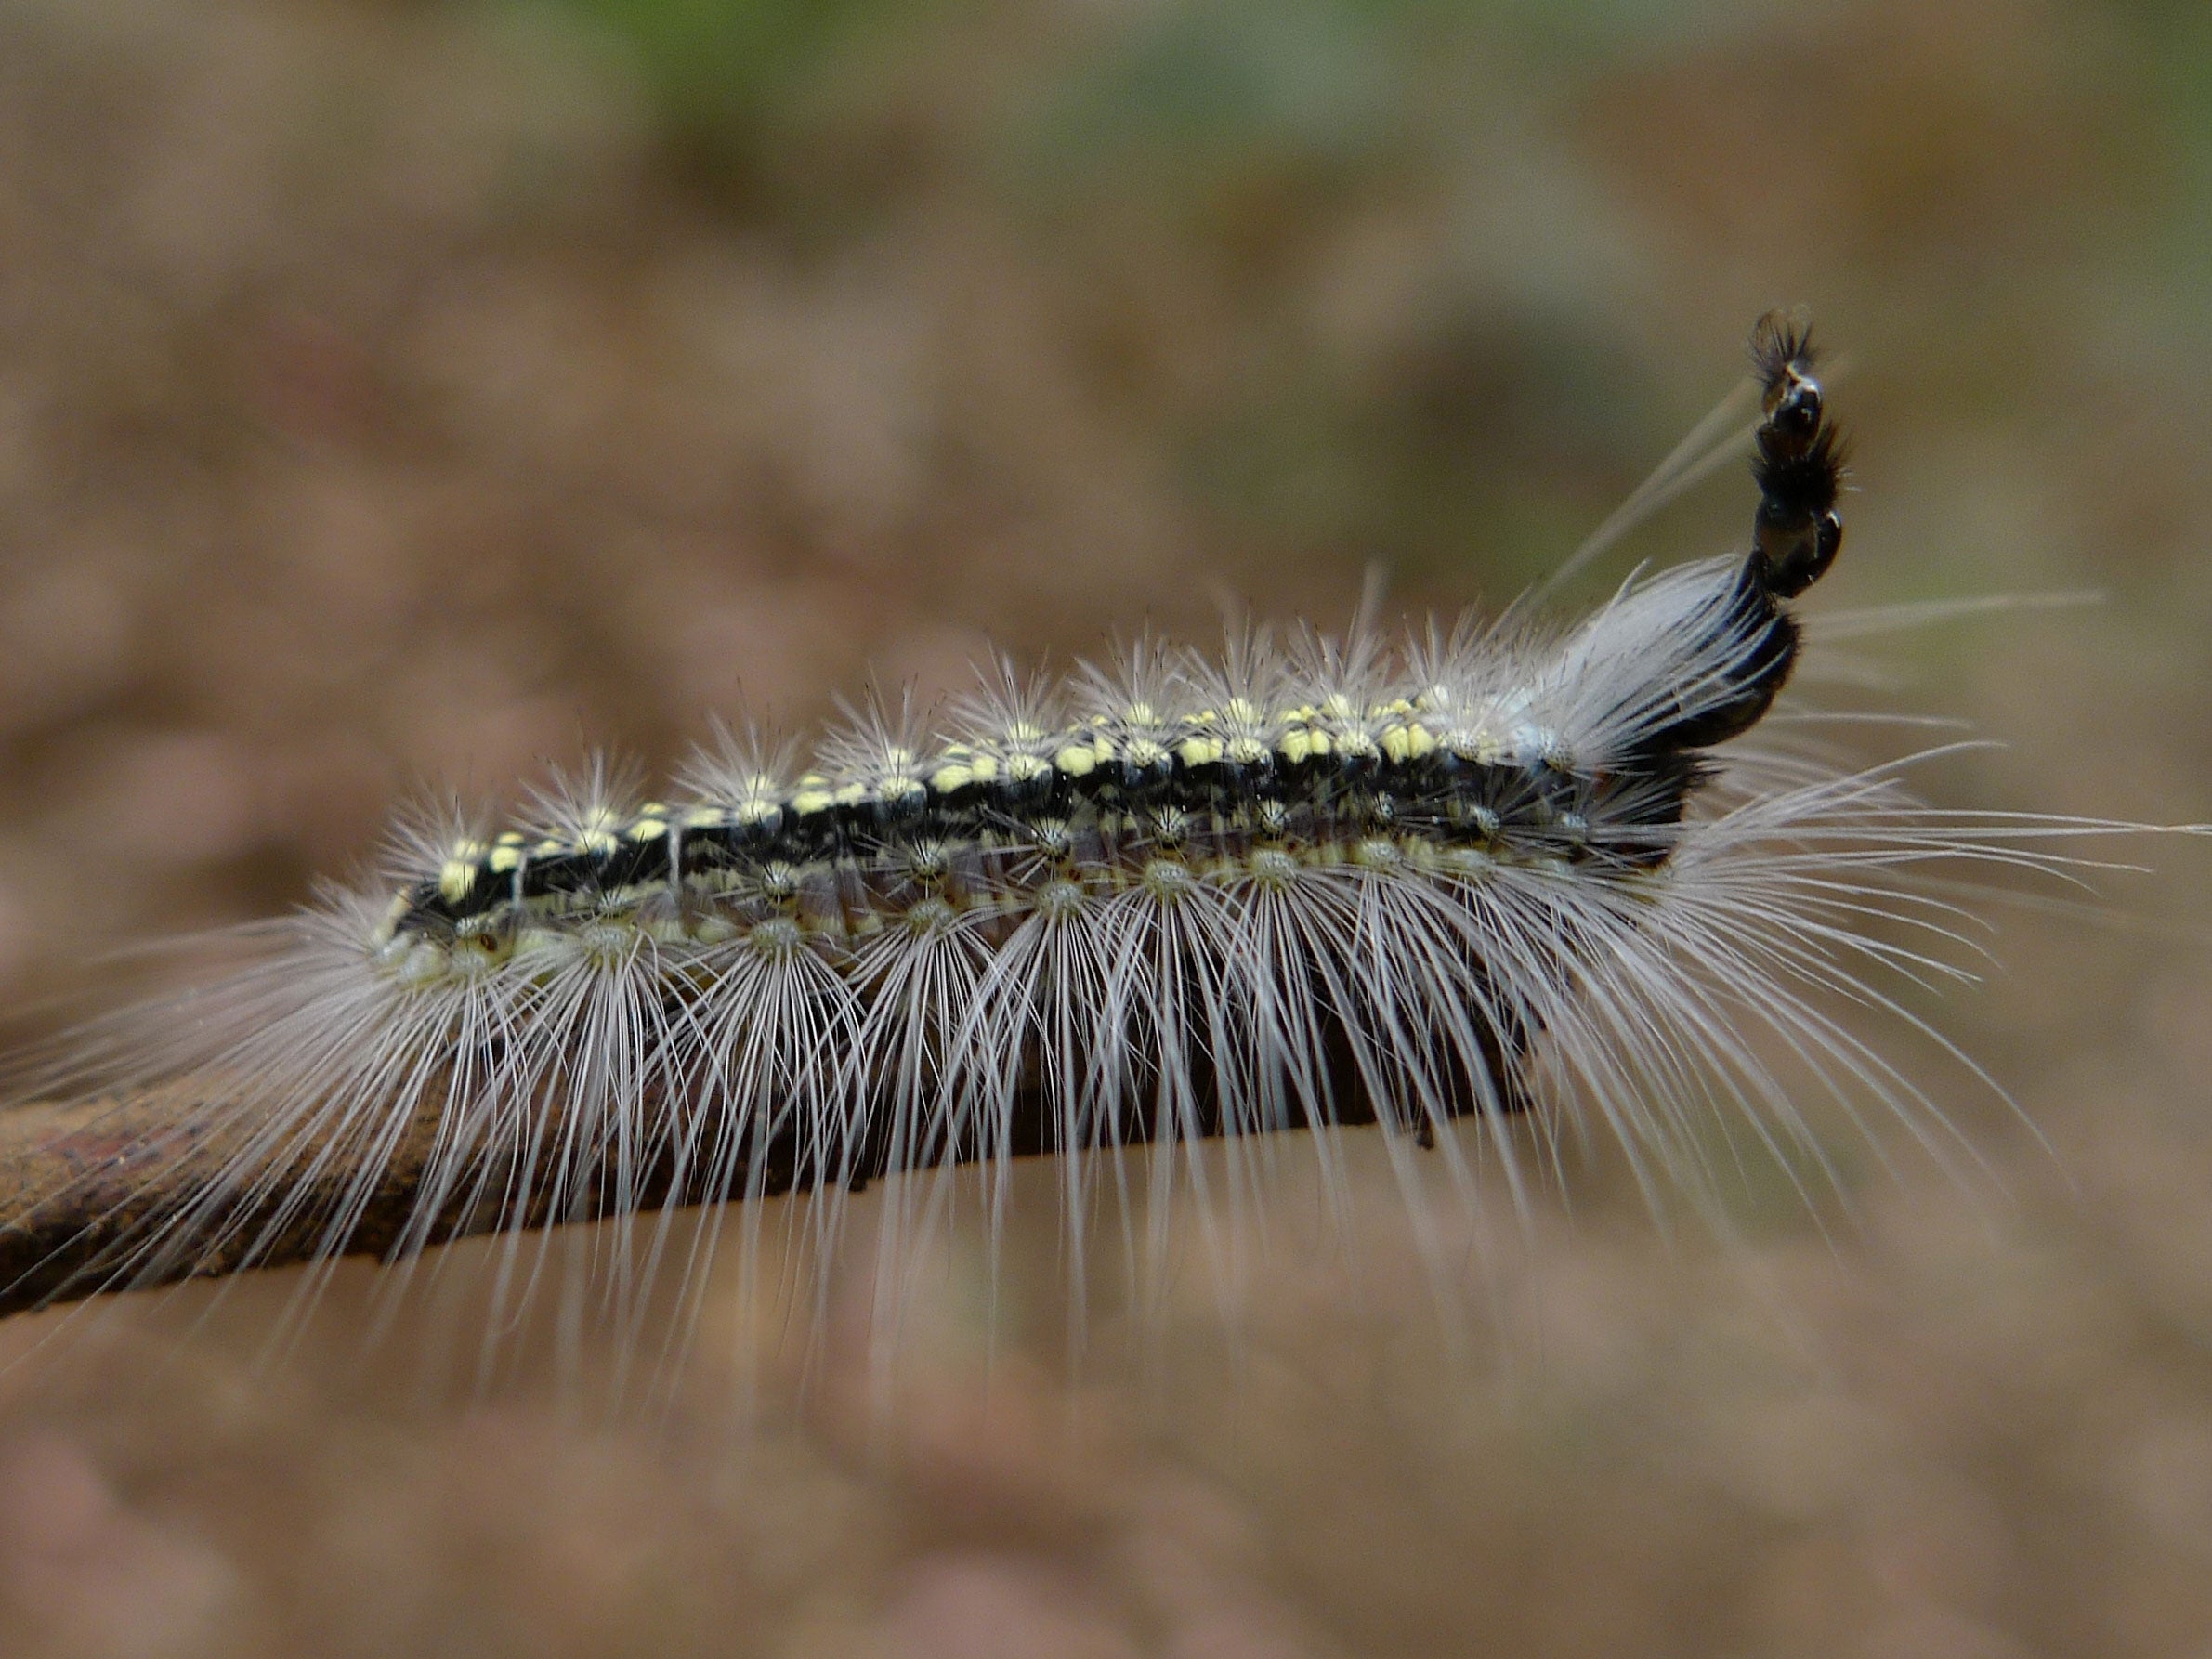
pixel 1483 886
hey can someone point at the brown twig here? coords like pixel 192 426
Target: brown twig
pixel 80 1182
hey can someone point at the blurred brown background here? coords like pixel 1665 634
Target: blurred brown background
pixel 403 394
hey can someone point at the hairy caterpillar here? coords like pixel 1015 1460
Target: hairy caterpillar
pixel 1490 871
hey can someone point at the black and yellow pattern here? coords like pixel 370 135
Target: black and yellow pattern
pixel 1181 762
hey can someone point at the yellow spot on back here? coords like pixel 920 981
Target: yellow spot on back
pixel 458 873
